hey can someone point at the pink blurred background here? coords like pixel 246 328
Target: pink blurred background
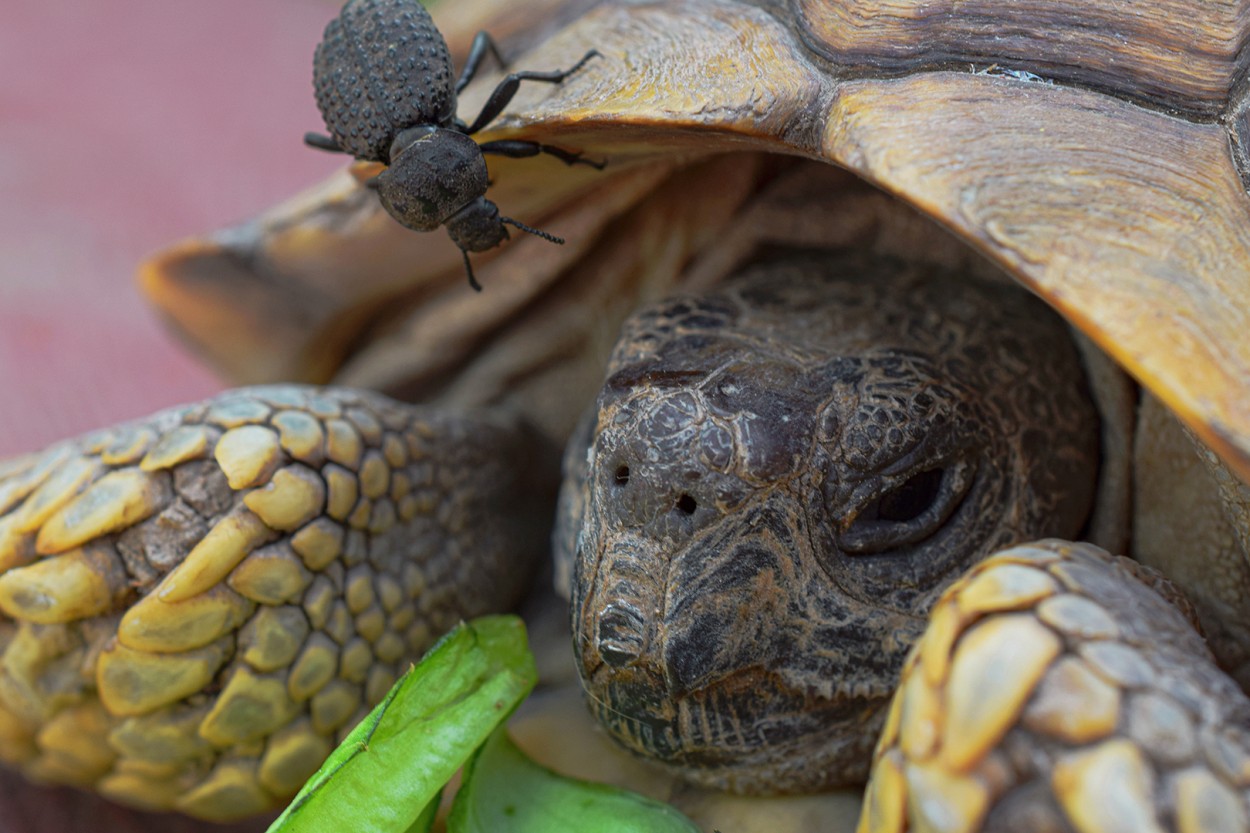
pixel 124 126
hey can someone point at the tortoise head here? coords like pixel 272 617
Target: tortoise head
pixel 785 476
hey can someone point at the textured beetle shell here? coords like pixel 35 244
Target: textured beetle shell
pixel 381 67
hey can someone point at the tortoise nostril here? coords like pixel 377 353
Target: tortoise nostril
pixel 686 505
pixel 622 475
pixel 619 636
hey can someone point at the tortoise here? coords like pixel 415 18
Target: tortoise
pixel 1055 166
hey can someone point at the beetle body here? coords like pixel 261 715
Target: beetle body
pixel 382 67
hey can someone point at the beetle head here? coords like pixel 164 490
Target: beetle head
pixel 477 227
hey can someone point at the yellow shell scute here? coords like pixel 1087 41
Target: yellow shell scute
pixel 356 659
pixel 178 446
pixel 1204 805
pixel 115 502
pixel 375 475
pixel 390 592
pixel 16 547
pixel 339 625
pixel 361 515
pixel 58 489
pixel 271 575
pixel 17 739
pixel 334 704
pixel 78 737
pixel 293 497
pixel 1006 587
pixel 139 790
pixel 318 543
pixel 74 585
pixel 128 447
pixel 920 718
pixel 249 707
pixel 383 517
pixel 996 666
pixel 945 625
pixel 390 647
pixel 292 755
pixel 272 638
pixel 359 592
pixel 943 802
pixel 23 475
pixel 300 436
pixel 1108 788
pixel 163 740
pixel 1073 704
pixel 318 601
pixel 216 554
pixel 23 689
pixel 232 411
pixel 314 668
pixel 248 455
pixel 152 624
pixel 395 451
pixel 134 682
pixel 885 801
pixel 231 791
pixel 378 684
pixel 1077 616
pixel 343 491
pixel 343 445
pixel 371 624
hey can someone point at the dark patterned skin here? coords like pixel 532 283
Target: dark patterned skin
pixel 382 67
pixel 784 476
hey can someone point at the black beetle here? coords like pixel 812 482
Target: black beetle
pixel 382 74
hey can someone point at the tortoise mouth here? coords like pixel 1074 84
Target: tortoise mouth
pixel 748 733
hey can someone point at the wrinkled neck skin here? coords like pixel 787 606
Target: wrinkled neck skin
pixel 783 478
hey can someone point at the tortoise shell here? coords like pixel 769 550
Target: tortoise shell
pixel 1097 154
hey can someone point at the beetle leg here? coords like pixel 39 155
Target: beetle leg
pixel 517 149
pixel 468 268
pixel 320 142
pixel 483 44
pixel 508 86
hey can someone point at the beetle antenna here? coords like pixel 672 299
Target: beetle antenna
pixel 477 287
pixel 559 241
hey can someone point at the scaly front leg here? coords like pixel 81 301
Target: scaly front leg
pixel 1059 688
pixel 195 607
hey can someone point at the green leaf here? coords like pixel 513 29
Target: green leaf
pixel 503 791
pixel 388 770
pixel 426 820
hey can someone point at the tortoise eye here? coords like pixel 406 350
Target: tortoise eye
pixel 908 513
pixel 907 502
